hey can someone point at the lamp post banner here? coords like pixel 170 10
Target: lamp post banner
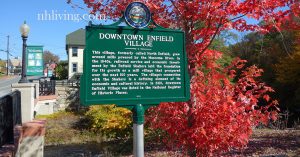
pixel 127 66
pixel 34 61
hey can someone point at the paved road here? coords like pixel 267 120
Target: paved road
pixel 5 85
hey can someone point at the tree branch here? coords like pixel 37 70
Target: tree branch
pixel 216 32
pixel 175 7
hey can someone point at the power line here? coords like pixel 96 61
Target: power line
pixel 7 55
pixel 7 50
pixel 12 46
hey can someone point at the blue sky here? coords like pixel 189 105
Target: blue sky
pixel 49 33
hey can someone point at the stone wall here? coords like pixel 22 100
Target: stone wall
pixel 31 139
pixel 67 97
pixel 28 140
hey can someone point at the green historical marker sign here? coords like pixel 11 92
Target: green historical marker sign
pixel 34 58
pixel 127 66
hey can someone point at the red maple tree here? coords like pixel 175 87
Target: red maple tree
pixel 220 114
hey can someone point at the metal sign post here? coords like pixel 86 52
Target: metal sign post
pixel 138 130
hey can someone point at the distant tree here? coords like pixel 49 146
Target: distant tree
pixel 288 68
pixel 2 66
pixel 49 57
pixel 288 75
pixel 265 50
pixel 278 54
pixel 61 70
pixel 222 43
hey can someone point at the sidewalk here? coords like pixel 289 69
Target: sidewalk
pixel 47 97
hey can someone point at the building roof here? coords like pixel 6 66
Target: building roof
pixel 52 66
pixel 76 38
pixel 15 62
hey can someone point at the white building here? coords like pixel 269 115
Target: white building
pixel 15 65
pixel 75 44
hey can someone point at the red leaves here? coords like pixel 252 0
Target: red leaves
pixel 221 113
pixel 274 115
pixel 266 97
pixel 264 119
pixel 151 5
pixel 219 116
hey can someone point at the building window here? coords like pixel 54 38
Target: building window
pixel 74 51
pixel 74 67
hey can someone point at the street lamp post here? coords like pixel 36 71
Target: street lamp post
pixel 24 29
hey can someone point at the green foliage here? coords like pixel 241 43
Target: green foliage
pixel 61 70
pixel 277 53
pixel 225 60
pixel 264 51
pixel 110 120
pixel 288 75
pixel 288 69
pixel 222 41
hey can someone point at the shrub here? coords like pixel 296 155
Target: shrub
pixel 61 70
pixel 110 120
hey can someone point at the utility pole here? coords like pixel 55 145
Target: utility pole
pixel 7 52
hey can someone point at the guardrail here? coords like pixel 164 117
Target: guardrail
pixel 47 87
pixel 70 83
pixel 10 115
